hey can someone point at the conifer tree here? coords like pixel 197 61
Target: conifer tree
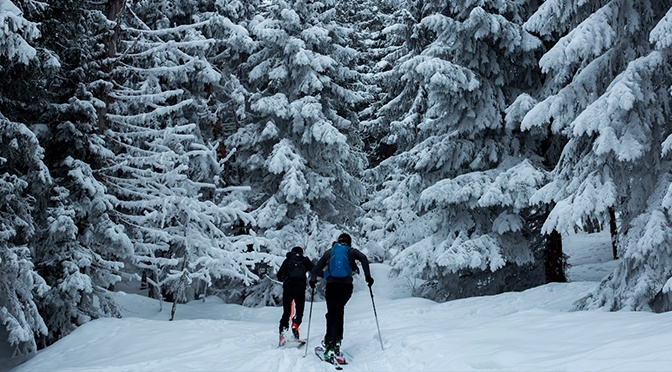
pixel 402 105
pixel 78 247
pixel 369 21
pixel 608 92
pixel 165 179
pixel 23 176
pixel 24 65
pixel 455 194
pixel 300 151
pixel 24 179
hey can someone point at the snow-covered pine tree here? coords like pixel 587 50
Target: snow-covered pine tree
pixel 610 95
pixel 165 179
pixel 17 35
pixel 455 195
pixel 23 176
pixel 299 151
pixel 24 180
pixel 77 247
pixel 24 66
pixel 375 38
pixel 390 122
pixel 403 103
pixel 80 254
pixel 369 21
pixel 228 99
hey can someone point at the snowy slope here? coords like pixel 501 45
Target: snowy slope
pixel 528 331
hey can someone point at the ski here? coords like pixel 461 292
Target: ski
pixel 337 362
pixel 291 343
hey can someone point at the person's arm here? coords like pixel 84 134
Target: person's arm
pixel 282 271
pixel 361 257
pixel 319 266
pixel 308 264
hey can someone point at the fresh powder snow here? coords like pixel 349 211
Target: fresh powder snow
pixel 533 330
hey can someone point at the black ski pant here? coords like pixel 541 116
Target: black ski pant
pixel 297 294
pixel 337 296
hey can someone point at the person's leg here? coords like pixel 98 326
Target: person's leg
pixel 286 309
pixel 300 303
pixel 338 295
pixel 331 298
pixel 344 294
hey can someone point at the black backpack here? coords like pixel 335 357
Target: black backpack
pixel 295 267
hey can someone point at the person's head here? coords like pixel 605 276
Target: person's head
pixel 298 250
pixel 345 239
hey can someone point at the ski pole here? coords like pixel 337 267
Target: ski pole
pixel 375 314
pixel 310 317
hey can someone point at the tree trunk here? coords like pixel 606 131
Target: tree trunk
pixel 143 280
pixel 614 232
pixel 155 290
pixel 112 11
pixel 172 311
pixel 179 294
pixel 554 261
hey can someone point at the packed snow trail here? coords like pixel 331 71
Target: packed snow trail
pixel 529 331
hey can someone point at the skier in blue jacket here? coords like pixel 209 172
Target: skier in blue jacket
pixel 336 266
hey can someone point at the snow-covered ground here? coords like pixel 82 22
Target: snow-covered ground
pixel 529 331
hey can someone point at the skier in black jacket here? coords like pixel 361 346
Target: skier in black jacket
pixel 339 289
pixel 292 274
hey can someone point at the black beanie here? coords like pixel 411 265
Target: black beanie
pixel 345 239
pixel 298 250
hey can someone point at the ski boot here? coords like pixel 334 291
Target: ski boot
pixel 338 356
pixel 329 351
pixel 337 349
pixel 295 331
pixel 282 339
pixel 332 352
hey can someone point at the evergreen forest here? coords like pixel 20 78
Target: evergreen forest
pixel 186 145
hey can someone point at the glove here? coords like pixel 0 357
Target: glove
pixel 369 280
pixel 312 283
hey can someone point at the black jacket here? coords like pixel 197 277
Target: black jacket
pixel 353 254
pixel 284 268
